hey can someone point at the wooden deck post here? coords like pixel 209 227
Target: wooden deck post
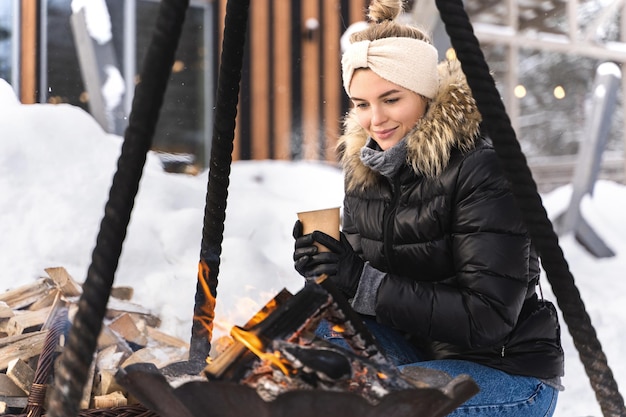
pixel 28 51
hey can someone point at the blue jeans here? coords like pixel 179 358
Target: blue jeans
pixel 501 394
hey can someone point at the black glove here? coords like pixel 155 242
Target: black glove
pixel 342 265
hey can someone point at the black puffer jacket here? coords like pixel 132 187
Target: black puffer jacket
pixel 461 272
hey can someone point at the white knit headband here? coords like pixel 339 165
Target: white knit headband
pixel 407 62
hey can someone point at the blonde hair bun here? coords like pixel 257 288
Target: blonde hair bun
pixel 382 10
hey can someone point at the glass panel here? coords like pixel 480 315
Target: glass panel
pixel 65 83
pixel 6 39
pixel 181 127
pixel 181 123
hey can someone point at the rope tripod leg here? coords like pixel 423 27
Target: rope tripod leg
pixel 507 147
pixel 37 396
pixel 79 350
pixel 235 27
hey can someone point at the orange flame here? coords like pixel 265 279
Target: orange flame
pixel 208 309
pixel 255 345
pixel 260 315
pixel 338 328
pixel 223 325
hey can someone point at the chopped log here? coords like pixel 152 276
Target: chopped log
pixel 159 356
pixel 140 315
pixel 24 320
pixel 21 374
pixel 114 399
pixel 127 327
pixel 64 281
pixel 25 295
pixel 8 388
pixel 14 402
pixel 107 362
pixel 6 312
pixel 110 357
pixel 24 346
pixel 46 301
pixel 105 382
pixel 122 293
pixel 116 307
pixel 164 338
pixel 108 337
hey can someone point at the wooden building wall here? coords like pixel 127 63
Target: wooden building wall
pixel 292 100
pixel 28 51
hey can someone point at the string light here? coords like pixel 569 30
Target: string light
pixel 559 92
pixel 519 91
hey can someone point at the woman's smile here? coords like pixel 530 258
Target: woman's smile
pixel 383 134
pixel 384 109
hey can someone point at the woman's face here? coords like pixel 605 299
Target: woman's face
pixel 384 109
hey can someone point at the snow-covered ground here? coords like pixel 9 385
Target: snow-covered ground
pixel 56 167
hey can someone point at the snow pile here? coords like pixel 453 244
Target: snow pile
pixel 56 167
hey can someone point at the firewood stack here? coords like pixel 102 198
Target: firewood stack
pixel 129 335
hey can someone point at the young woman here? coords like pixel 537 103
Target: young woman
pixel 433 251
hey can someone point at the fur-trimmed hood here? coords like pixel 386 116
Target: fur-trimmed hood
pixel 452 120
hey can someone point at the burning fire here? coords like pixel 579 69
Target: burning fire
pixel 208 309
pixel 338 328
pixel 263 313
pixel 277 350
pixel 256 346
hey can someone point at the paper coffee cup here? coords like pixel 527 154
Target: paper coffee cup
pixel 325 220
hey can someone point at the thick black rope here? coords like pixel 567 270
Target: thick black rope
pixel 37 396
pixel 78 353
pixel 227 97
pixel 498 126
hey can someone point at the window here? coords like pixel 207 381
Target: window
pixel 8 44
pixel 185 124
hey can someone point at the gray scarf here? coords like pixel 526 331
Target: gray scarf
pixel 388 162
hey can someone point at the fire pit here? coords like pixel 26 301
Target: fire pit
pixel 229 399
pixel 275 364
